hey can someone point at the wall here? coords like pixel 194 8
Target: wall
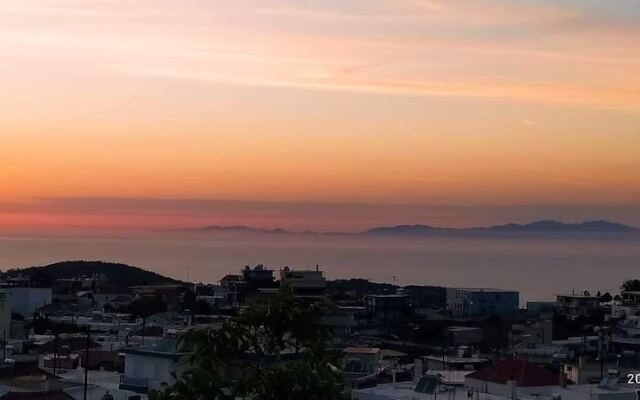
pixel 25 300
pixel 155 369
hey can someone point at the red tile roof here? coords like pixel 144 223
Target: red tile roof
pixel 524 373
pixel 230 278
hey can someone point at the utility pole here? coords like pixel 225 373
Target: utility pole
pixel 55 352
pixel 4 345
pixel 144 323
pixel 601 351
pixel 86 364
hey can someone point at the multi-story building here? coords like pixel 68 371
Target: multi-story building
pixel 388 308
pixel 476 302
pixel 304 282
pixel 26 300
pixel 258 277
pixel 577 305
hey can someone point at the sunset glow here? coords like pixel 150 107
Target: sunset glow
pixel 138 106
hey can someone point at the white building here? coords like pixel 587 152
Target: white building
pixel 304 282
pixel 151 368
pixel 26 300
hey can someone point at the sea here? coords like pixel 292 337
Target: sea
pixel 539 267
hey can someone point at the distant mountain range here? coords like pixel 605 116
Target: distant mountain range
pixel 545 226
pixel 235 228
pixel 534 227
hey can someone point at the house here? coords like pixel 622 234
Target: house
pixel 577 305
pixel 463 335
pixel 541 309
pixel 531 334
pixel 359 363
pixel 341 321
pixel 388 308
pixel 304 282
pixel 151 367
pixel 258 277
pixel 482 302
pixel 26 381
pixel 454 363
pixel 630 298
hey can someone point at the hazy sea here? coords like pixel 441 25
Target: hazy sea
pixel 538 267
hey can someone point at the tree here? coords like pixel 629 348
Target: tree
pixel 606 297
pixel 273 350
pixel 148 305
pixel 631 285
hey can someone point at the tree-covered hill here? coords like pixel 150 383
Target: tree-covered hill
pixel 118 274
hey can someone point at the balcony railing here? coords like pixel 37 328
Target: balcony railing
pixel 139 385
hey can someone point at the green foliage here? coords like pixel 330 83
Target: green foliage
pixel 273 350
pixel 147 306
pixel 631 285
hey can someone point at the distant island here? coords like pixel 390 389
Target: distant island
pixel 235 228
pixel 539 227
pixel 546 226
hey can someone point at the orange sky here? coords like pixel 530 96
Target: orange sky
pixel 424 102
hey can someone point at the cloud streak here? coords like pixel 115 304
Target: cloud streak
pixel 401 48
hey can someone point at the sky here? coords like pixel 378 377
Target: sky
pixel 317 114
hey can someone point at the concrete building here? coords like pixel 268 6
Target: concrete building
pixel 454 363
pixel 151 367
pixel 341 321
pixel 577 305
pixel 630 298
pixel 388 308
pixel 541 309
pixel 359 363
pixel 26 300
pixel 304 282
pixel 478 302
pixel 531 334
pixel 258 277
pixel 463 335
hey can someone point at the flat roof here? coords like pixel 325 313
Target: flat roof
pixel 490 290
pixel 362 350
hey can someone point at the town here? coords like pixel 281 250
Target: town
pixel 92 330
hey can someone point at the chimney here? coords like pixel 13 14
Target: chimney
pixel 417 369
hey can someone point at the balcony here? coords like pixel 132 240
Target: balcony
pixel 138 385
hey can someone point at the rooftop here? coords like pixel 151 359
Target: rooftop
pixel 524 373
pixel 362 350
pixel 490 290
